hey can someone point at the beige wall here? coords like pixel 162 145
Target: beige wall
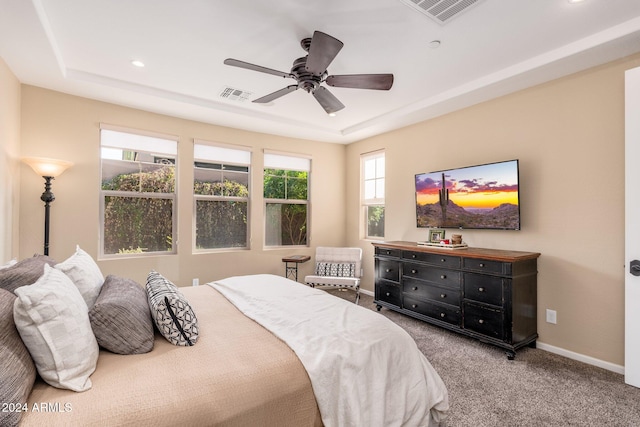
pixel 569 137
pixel 9 163
pixel 67 127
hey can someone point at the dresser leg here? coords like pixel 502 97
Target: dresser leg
pixel 511 354
pixel 378 307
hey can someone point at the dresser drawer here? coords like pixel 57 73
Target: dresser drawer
pixel 447 261
pixel 388 269
pixel 481 288
pixel 425 290
pixel 396 253
pixel 388 293
pixel 487 266
pixel 484 320
pixel 440 276
pixel 444 313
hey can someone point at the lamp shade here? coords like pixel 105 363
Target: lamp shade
pixel 47 167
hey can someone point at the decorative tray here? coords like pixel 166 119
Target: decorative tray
pixel 444 245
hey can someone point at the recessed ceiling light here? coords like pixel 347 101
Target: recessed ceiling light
pixel 434 44
pixel 332 114
pixel 575 1
pixel 137 63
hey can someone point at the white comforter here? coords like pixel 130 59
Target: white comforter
pixel 364 369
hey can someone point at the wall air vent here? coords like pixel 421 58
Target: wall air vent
pixel 441 11
pixel 233 94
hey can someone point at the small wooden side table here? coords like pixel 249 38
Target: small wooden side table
pixel 291 265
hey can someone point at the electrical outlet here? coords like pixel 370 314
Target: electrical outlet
pixel 195 282
pixel 552 316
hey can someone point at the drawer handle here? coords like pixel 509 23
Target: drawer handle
pixel 388 252
pixel 388 270
pixel 481 321
pixel 414 271
pixel 443 260
pixel 388 294
pixel 442 314
pixel 414 305
pixel 443 276
pixel 413 256
pixel 481 265
pixel 443 295
pixel 415 288
pixel 480 289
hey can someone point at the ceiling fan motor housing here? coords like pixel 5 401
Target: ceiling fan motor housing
pixel 306 80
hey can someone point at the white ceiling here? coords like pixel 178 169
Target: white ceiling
pixel 85 48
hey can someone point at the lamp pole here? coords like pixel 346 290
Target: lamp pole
pixel 47 197
pixel 49 169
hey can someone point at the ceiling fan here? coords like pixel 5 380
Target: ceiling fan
pixel 311 71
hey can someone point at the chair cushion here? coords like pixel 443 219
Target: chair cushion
pixel 120 318
pixel 53 321
pixel 171 311
pixel 336 269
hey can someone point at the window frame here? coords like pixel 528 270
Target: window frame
pixel 145 137
pixel 276 160
pixel 376 201
pixel 200 197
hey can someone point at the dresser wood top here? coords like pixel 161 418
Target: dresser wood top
pixel 484 253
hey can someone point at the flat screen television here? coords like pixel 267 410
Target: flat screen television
pixel 475 197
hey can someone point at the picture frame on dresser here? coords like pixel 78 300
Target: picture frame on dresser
pixel 435 235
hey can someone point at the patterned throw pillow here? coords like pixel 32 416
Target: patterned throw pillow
pixel 120 318
pixel 336 269
pixel 170 311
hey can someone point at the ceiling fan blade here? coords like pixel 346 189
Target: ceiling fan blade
pixel 246 65
pixel 330 103
pixel 362 81
pixel 322 51
pixel 275 95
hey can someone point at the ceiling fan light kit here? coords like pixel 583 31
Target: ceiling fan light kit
pixel 310 72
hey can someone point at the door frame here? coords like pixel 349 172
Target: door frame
pixel 632 226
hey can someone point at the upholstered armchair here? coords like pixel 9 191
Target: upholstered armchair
pixel 337 268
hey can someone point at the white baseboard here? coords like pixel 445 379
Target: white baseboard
pixel 562 352
pixel 581 357
pixel 366 292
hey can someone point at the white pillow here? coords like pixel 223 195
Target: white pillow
pixel 53 321
pixel 85 274
pixel 9 264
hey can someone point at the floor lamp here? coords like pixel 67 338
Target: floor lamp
pixel 49 169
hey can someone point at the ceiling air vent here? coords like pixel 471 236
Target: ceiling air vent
pixel 233 94
pixel 441 11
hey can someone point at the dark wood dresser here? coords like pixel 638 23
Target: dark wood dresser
pixel 487 294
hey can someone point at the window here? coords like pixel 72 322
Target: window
pixel 286 196
pixel 372 168
pixel 138 193
pixel 221 196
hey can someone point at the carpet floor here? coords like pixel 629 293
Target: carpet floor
pixel 536 389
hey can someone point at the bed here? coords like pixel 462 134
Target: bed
pixel 270 352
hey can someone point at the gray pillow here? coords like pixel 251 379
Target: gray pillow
pixel 171 311
pixel 17 370
pixel 120 317
pixel 25 272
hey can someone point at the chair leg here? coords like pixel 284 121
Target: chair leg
pixel 357 296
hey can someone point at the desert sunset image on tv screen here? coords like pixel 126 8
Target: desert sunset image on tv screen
pixel 484 196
